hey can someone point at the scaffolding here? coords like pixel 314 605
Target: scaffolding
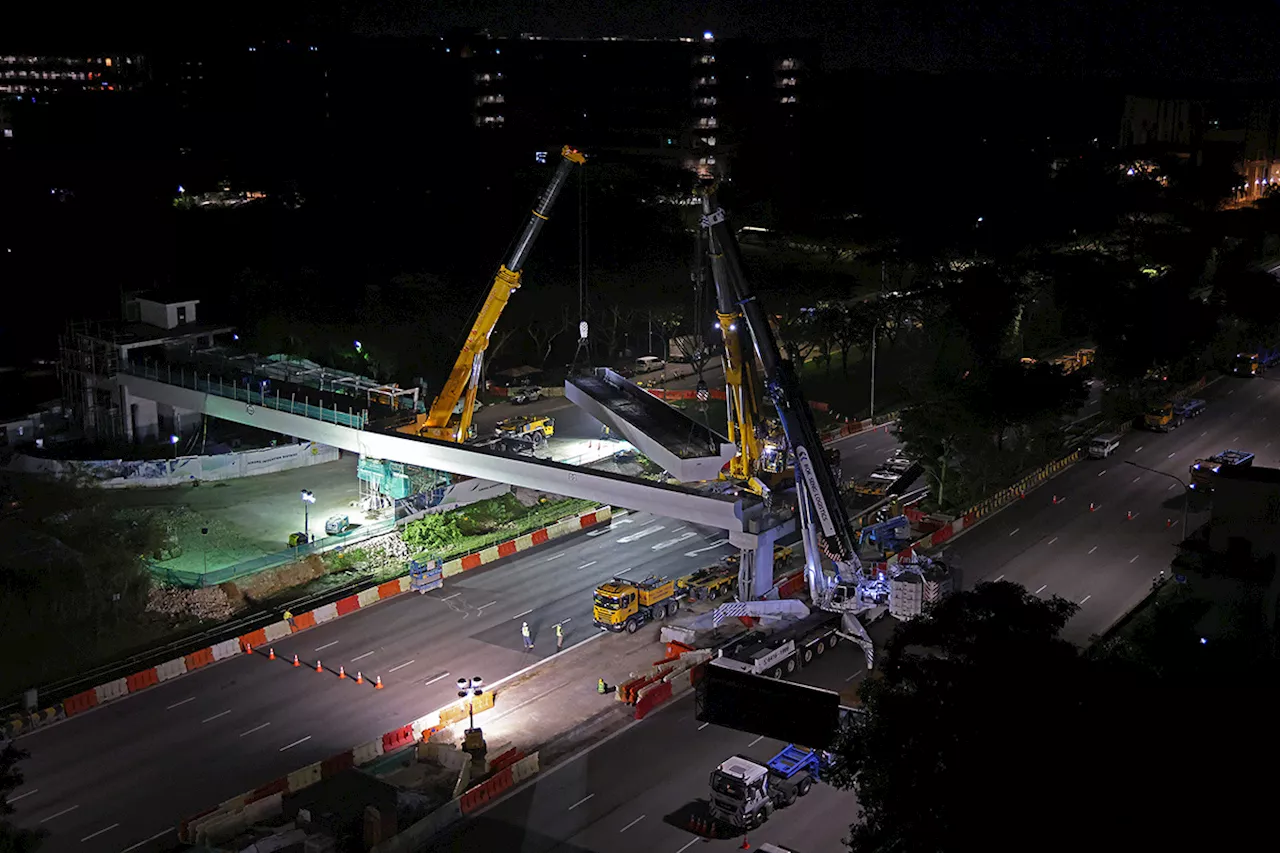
pixel 88 361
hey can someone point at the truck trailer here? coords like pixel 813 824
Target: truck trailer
pixel 784 650
pixel 1204 470
pixel 744 793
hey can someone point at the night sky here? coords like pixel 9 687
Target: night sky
pixel 1169 39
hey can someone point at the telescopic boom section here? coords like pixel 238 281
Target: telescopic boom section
pixel 783 387
pixel 440 421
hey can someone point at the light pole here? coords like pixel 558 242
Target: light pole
pixel 307 500
pixel 473 740
pixel 173 439
pixel 1186 491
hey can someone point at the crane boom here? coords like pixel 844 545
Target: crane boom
pixel 440 421
pixel 821 504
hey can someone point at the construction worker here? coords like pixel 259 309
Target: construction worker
pixel 559 637
pixel 528 640
pixel 601 687
pixel 288 617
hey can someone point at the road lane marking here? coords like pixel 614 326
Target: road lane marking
pixel 633 823
pixel 1015 530
pixel 1041 589
pixel 1094 548
pixel 1054 539
pixel 437 678
pixel 99 832
pixel 1086 598
pixel 1135 558
pixel 483 606
pixel 1103 471
pixel 295 743
pixel 401 666
pixel 667 544
pixel 365 655
pixel 1234 440
pixel 326 645
pixel 714 545
pixel 149 840
pixel 555 556
pixel 997 580
pixel 1140 446
pixel 526 613
pixel 256 729
pixel 587 565
pixel 852 677
pixel 756 741
pixel 1171 455
pixel 27 794
pixel 1203 434
pixel 581 801
pixel 183 702
pixel 59 814
pixel 687 846
pixel 703 726
pixel 1232 391
pixel 640 534
pixel 593 534
pixel 216 716
pixel 1137 478
pixel 451 597
pixel 678 529
pixel 860 446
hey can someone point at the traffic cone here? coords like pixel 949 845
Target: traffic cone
pixel 296 662
pixel 746 845
pixel 248 648
pixel 1055 500
pixel 378 685
pixel 342 672
pixel 1092 506
pixel 1128 516
pixel 359 677
pixel 319 668
pixel 1168 522
pixel 1022 495
pixel 272 655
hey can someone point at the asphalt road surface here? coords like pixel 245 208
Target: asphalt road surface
pixel 1102 559
pixel 635 791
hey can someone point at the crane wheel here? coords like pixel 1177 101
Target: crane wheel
pixel 791 665
pixel 808 656
pixel 777 672
pixel 834 638
pixel 820 647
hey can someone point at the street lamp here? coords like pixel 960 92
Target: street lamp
pixel 1186 491
pixel 473 740
pixel 173 439
pixel 307 500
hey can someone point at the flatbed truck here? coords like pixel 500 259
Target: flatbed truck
pixel 745 793
pixel 785 649
pixel 1203 470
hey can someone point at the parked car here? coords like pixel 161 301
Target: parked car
pixel 527 394
pixel 897 464
pixel 649 363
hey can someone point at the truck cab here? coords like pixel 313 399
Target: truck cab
pixel 1162 418
pixel 623 605
pixel 1203 470
pixel 744 793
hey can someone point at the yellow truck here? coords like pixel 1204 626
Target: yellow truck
pixel 621 604
pixel 709 583
pixel 536 427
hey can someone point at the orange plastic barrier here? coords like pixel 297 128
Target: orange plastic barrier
pixel 335 764
pixel 254 639
pixel 587 520
pixel 506 759
pixel 474 799
pixel 397 738
pixel 305 620
pixel 279 786
pixel 80 702
pixel 471 561
pixel 540 536
pixel 348 604
pixel 652 700
pixel 506 549
pixel 195 660
pixel 388 589
pixel 142 680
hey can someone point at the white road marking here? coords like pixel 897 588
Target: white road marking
pixel 1094 548
pixel 1135 559
pixel 401 666
pixel 451 597
pixel 1103 471
pixel 1041 589
pixel 526 613
pixel 587 565
pixel 216 716
pixel 183 702
pixel 1134 515
pixel 437 678
pixel 149 840
pixel 581 801
pixel 1015 530
pixel 1171 455
pixel 714 545
pixel 756 741
pixel 1140 446
pixel 555 556
pixel 59 814
pixel 633 823
pixel 678 529
pixel 687 846
pixel 703 726
pixel 1051 541
pixel 1171 485
pixel 483 606
pixel 99 832
pixel 363 656
pixel 256 729
pixel 682 537
pixel 1203 434
pixel 640 534
pixel 1137 478
pixel 326 645
pixel 852 677
pixel 27 794
pixel 997 580
pixel 1232 391
pixel 860 446
pixel 594 533
pixel 1086 598
pixel 295 743
pixel 1234 440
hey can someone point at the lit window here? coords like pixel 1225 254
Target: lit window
pixel 108 62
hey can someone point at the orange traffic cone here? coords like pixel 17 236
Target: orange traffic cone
pixel 379 684
pixel 319 668
pixel 248 648
pixel 272 655
pixel 1168 522
pixel 359 677
pixel 1092 506
pixel 1055 500
pixel 746 845
pixel 1128 516
pixel 342 672
pixel 296 662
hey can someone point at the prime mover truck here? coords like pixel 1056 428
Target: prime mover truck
pixel 744 793
pixel 622 604
pixel 784 650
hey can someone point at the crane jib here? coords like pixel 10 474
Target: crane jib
pixel 805 464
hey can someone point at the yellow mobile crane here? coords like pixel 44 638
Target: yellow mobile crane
pixel 440 421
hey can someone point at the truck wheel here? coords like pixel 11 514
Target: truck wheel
pixel 673 606
pixel 632 625
pixel 700 594
pixel 833 639
pixel 539 437
pixel 820 647
pixel 804 786
pixel 791 665
pixel 808 656
pixel 777 672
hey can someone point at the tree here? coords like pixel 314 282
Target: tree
pixel 13 839
pixel 544 330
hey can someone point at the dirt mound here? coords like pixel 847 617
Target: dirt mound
pixel 208 603
pixel 266 583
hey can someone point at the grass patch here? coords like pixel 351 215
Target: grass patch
pixel 452 534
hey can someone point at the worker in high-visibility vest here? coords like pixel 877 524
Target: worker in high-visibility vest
pixel 288 617
pixel 559 637
pixel 528 640
pixel 601 687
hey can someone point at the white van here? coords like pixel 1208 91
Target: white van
pixel 649 363
pixel 1103 446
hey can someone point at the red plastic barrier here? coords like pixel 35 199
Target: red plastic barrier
pixel 80 702
pixel 195 660
pixel 499 783
pixel 653 699
pixel 941 535
pixel 142 680
pixel 471 561
pixel 506 759
pixel 348 604
pixel 819 407
pixel 540 536
pixel 397 738
pixel 506 549
pixel 474 799
pixel 253 639
pixel 335 764
pixel 279 786
pixel 587 520
pixel 303 621
pixel 388 589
